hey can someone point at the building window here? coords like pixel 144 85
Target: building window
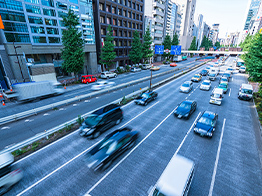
pixel 74 1
pixel 33 1
pixel 124 12
pixel 108 20
pixel 113 10
pixel 114 32
pixel 51 22
pixel 101 6
pixel 102 19
pixel 124 2
pixel 35 20
pixel 137 7
pixel 124 34
pixel 39 30
pixel 137 26
pixel 134 5
pixel 129 34
pixel 134 16
pixel 114 21
pixel 129 14
pixel 38 39
pixel 141 17
pixel 14 37
pixel 124 23
pixel 129 43
pixel 120 33
pixel 53 31
pixel 61 5
pixel 61 23
pixel 120 43
pixel 119 11
pixel 115 42
pixel 119 22
pixel 61 14
pixel 49 12
pixel 129 24
pixel 18 27
pixel 133 25
pixel 11 4
pixel 141 8
pixel 137 16
pixel 54 39
pixel 108 8
pixel 129 4
pixel 33 9
pixel 103 32
pixel 12 16
pixel 49 3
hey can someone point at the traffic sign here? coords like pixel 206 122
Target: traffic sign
pixel 159 49
pixel 167 51
pixel 175 50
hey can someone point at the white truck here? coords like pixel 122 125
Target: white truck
pixel 177 58
pixel 33 90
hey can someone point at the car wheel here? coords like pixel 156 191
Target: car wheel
pixel 145 103
pixel 115 76
pixel 107 165
pixel 131 144
pixel 107 77
pixel 118 121
pixel 96 135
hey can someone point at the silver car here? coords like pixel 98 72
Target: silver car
pixel 186 87
pixel 102 85
pixel 206 85
pixel 108 74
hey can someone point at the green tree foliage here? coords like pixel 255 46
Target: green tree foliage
pixel 253 58
pixel 247 42
pixel 72 53
pixel 206 43
pixel 167 45
pixel 217 44
pixel 193 45
pixel 108 54
pixel 175 40
pixel 136 50
pixel 146 46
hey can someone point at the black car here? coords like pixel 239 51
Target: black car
pixel 101 120
pixel 204 72
pixel 114 144
pixel 206 124
pixel 185 109
pixel 146 97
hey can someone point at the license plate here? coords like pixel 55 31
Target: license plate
pixel 212 101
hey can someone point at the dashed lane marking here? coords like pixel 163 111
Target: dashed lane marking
pixel 229 92
pixel 74 105
pixel 86 101
pixel 29 120
pixel 5 128
pixel 46 114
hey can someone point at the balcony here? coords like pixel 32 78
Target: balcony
pixel 156 12
pixel 156 4
pixel 159 28
pixel 158 42
pixel 158 34
pixel 159 20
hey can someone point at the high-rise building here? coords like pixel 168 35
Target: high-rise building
pixel 256 22
pixel 178 20
pixel 199 28
pixel 213 35
pixel 206 30
pixel 186 28
pixel 170 21
pixel 33 30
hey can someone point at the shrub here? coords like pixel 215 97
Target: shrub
pixel 80 120
pixel 127 68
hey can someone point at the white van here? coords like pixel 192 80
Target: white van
pixel 176 178
pixel 214 70
pixel 8 176
pixel 245 92
pixel 216 96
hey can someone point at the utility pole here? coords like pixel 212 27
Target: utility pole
pixel 15 47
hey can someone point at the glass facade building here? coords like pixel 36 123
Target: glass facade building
pixel 252 12
pixel 40 21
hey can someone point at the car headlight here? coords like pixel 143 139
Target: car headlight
pixel 195 129
pixel 142 102
pixel 186 115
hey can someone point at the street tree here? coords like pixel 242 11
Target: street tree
pixel 167 45
pixel 247 42
pixel 217 44
pixel 146 46
pixel 175 40
pixel 136 49
pixel 204 42
pixel 72 52
pixel 108 54
pixel 193 45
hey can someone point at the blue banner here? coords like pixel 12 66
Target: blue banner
pixel 175 50
pixel 159 49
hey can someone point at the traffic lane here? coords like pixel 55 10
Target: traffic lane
pixel 167 89
pixel 16 107
pixel 23 129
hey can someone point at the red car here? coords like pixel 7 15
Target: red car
pixel 88 79
pixel 173 64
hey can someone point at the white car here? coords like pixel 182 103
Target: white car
pixel 135 69
pixel 242 69
pixel 186 87
pixel 102 85
pixel 206 85
pixel 108 74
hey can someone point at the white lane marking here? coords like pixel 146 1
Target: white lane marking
pixel 229 92
pixel 29 120
pixel 62 109
pixel 97 97
pixel 217 158
pixel 232 79
pixel 132 150
pixel 33 185
pixel 86 101
pixel 74 105
pixel 46 114
pixel 5 128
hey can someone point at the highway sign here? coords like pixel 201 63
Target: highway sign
pixel 175 50
pixel 159 49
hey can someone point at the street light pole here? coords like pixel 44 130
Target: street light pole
pixel 15 47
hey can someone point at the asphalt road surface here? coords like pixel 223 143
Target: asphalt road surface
pixel 227 164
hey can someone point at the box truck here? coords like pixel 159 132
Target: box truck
pixel 177 58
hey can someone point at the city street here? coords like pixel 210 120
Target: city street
pixel 227 164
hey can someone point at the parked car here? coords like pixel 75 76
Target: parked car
pixel 173 64
pixel 155 68
pixel 204 72
pixel 223 80
pixel 108 74
pixel 102 85
pixel 146 66
pixel 185 109
pixel 196 78
pixel 223 86
pixel 114 144
pixel 101 120
pixel 245 92
pixel 206 85
pixel 206 124
pixel 186 87
pixel 242 69
pixel 146 97
pixel 212 76
pixel 88 79
pixel 135 69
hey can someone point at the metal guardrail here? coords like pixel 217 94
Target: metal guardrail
pixel 57 128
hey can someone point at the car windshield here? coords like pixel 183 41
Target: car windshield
pixel 242 68
pixel 196 76
pixel 206 83
pixel 185 85
pixel 240 63
pixel 108 145
pixel 226 75
pixel 222 85
pixel 92 120
pixel 185 105
pixel 212 75
pixel 216 95
pixel 205 121
pixel 145 95
pixel 223 79
pixel 246 91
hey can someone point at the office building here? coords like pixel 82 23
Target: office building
pixel 213 35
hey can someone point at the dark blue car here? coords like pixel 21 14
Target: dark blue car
pixel 206 124
pixel 185 109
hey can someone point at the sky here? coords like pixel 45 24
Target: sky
pixel 230 14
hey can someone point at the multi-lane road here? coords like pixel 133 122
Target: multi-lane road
pixel 227 164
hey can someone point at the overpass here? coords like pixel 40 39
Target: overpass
pixel 214 52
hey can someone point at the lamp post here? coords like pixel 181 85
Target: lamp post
pixel 15 47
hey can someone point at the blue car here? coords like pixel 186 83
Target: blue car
pixel 206 124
